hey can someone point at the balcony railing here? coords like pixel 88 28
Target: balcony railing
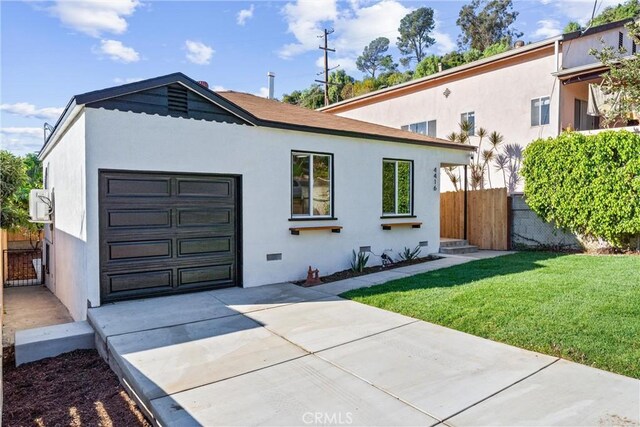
pixel 635 129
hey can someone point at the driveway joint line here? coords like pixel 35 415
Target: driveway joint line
pixel 438 420
pixel 501 390
pixel 232 377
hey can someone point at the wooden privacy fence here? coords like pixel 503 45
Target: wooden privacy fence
pixel 487 217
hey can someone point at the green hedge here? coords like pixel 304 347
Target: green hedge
pixel 589 185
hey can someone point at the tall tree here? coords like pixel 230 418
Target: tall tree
pixel 374 57
pixel 415 35
pixel 12 178
pixel 486 22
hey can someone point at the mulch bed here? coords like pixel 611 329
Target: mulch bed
pixel 347 274
pixel 73 389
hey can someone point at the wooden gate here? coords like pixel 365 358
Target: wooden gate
pixel 487 217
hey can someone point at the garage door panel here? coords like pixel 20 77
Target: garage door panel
pixel 139 218
pixel 119 186
pixel 159 279
pixel 205 246
pixel 204 217
pixel 201 188
pixel 206 275
pixel 135 250
pixel 166 233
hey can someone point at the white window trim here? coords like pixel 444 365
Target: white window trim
pixel 539 98
pixel 311 176
pixel 395 213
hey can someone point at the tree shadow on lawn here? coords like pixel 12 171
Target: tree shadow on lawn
pixel 462 274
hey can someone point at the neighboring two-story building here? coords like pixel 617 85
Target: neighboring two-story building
pixel 531 91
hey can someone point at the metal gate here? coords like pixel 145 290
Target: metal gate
pixel 22 267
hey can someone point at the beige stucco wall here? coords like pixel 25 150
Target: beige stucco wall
pixel 501 100
pixel 576 52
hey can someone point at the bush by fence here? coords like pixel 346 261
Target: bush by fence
pixel 588 184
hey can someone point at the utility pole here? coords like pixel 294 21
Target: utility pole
pixel 326 50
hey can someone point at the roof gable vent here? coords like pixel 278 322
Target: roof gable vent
pixel 177 99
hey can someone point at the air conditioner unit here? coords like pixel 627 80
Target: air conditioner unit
pixel 40 206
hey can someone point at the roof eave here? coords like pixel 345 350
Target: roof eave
pixel 450 71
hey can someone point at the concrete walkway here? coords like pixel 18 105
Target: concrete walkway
pixel 30 307
pixel 286 355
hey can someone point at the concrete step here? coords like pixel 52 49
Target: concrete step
pixel 448 243
pixel 48 341
pixel 457 250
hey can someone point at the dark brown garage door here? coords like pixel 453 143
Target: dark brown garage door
pixel 167 233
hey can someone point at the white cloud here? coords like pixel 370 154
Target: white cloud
pixel 547 28
pixel 244 15
pixel 304 19
pixel 198 52
pixel 579 10
pixel 118 52
pixel 356 23
pixel 346 63
pixel 94 17
pixel 262 92
pixel 125 80
pixel 25 109
pixel 21 140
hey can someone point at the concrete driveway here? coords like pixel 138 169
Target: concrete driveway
pixel 285 355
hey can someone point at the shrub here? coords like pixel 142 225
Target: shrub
pixel 409 254
pixel 359 261
pixel 588 184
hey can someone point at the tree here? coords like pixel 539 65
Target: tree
pixel 622 79
pixel 496 48
pixel 12 175
pixel 628 9
pixel 485 22
pixel 571 27
pixel 337 81
pixel 373 57
pixel 427 66
pixel 452 59
pixel 415 29
pixel 312 97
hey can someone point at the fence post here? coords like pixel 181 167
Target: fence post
pixel 465 203
pixel 509 222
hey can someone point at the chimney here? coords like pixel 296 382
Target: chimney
pixel 439 67
pixel 518 43
pixel 203 83
pixel 271 76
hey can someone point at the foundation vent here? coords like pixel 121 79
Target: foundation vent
pixel 274 257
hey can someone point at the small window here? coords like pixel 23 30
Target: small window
pixel 431 128
pixel 423 128
pixel 469 117
pixel 397 187
pixel 620 40
pixel 311 176
pixel 540 111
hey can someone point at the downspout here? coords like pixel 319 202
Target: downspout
pixel 556 53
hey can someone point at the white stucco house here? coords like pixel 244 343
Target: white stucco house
pixel 163 186
pixel 531 91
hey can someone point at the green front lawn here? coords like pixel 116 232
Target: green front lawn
pixel 580 307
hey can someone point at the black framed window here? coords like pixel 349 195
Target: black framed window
pixel 311 185
pixel 397 187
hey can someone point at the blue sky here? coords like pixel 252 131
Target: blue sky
pixel 53 50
